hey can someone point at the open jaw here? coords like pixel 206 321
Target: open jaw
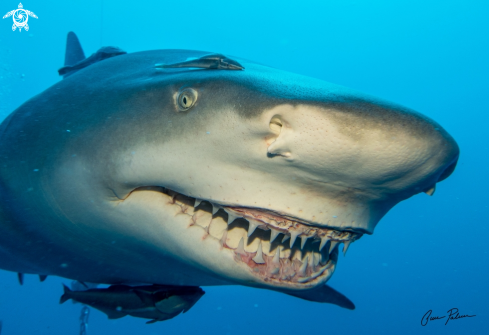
pixel 277 250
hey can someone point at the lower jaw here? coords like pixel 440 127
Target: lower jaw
pixel 276 263
pixel 286 272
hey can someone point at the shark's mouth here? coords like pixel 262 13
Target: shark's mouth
pixel 275 248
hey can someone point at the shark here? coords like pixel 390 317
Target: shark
pixel 188 168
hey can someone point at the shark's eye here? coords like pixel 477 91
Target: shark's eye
pixel 186 99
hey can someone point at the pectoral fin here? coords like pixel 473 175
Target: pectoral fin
pixel 323 294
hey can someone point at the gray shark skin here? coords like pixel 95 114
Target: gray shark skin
pixel 125 172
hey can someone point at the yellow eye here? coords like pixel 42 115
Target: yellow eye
pixel 186 99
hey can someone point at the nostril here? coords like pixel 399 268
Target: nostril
pixel 275 124
pixel 448 171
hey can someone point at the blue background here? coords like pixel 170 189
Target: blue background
pixel 432 56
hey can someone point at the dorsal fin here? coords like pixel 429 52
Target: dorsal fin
pixel 74 52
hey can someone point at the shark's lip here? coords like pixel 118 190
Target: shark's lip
pixel 305 256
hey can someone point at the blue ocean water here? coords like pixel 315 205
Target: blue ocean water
pixel 426 253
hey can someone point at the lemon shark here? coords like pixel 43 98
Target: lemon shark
pixel 180 167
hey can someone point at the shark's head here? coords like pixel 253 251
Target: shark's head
pixel 195 177
pixel 253 176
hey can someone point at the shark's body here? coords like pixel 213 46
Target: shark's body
pixel 100 173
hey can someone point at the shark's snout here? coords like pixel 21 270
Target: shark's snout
pixel 450 167
pixel 369 146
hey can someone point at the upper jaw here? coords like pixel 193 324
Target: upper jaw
pixel 277 251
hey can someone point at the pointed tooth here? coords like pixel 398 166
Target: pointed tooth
pixel 293 236
pixel 276 258
pixel 324 241
pixel 232 217
pixel 303 268
pixel 311 261
pixel 215 208
pixel 324 258
pixel 197 202
pixel 258 259
pixel 273 234
pixel 42 278
pixel 346 245
pixel 303 240
pixel 316 259
pixel 333 245
pixel 20 277
pixel 286 237
pixel 252 227
pixel 431 191
pixel 240 249
pixel 224 238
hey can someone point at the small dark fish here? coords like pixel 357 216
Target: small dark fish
pixel 155 302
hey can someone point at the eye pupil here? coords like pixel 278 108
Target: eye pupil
pixel 186 99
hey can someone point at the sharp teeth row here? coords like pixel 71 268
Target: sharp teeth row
pixel 334 236
pixel 288 262
pixel 328 237
pixel 293 233
pixel 294 228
